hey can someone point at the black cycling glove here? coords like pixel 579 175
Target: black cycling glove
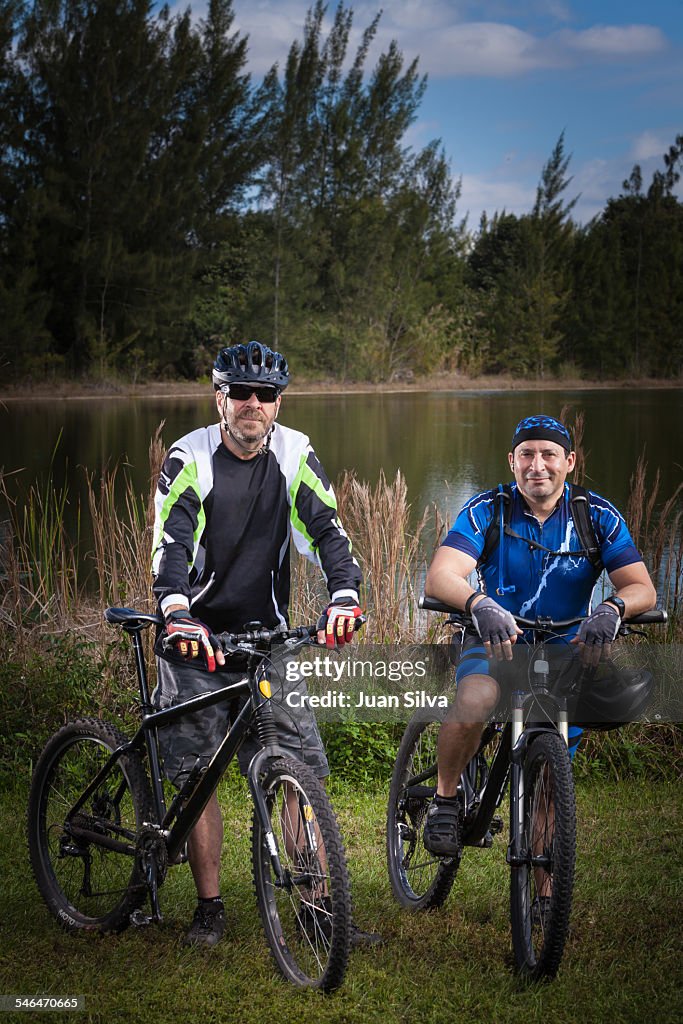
pixel 494 624
pixel 597 633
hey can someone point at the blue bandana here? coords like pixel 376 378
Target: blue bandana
pixel 541 428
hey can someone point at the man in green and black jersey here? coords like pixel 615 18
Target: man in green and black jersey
pixel 229 498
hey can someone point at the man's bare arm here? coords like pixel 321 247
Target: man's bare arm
pixel 447 577
pixel 633 585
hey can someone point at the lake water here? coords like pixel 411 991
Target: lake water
pixel 447 444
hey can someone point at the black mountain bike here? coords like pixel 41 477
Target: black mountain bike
pixel 531 751
pixel 101 837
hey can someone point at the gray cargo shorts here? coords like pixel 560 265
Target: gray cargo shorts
pixel 201 733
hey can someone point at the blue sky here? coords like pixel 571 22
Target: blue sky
pixel 505 78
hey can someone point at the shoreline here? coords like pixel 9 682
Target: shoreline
pixel 64 390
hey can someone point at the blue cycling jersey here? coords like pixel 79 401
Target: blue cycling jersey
pixel 545 583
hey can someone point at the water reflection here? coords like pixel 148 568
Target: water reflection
pixel 448 445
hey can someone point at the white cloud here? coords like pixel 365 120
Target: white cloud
pixel 615 40
pixel 489 193
pixel 421 133
pixel 648 145
pixel 479 48
pixel 559 11
pixel 414 14
pixel 512 187
pixel 447 44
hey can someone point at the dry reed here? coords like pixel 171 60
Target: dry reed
pixel 576 429
pixel 389 552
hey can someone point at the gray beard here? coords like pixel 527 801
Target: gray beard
pixel 250 445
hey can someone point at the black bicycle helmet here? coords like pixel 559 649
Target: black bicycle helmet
pixel 612 697
pixel 253 363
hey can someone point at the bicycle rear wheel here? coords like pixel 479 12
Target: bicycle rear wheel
pixel 86 884
pixel 306 907
pixel 419 880
pixel 541 889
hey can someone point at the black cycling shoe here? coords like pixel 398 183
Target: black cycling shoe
pixel 442 834
pixel 208 925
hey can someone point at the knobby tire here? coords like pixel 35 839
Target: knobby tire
pixel 306 913
pixel 85 885
pixel 419 880
pixel 549 841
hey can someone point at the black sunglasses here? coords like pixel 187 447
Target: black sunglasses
pixel 243 392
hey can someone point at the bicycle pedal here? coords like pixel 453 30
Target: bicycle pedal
pixel 138 919
pixel 496 825
pixel 486 843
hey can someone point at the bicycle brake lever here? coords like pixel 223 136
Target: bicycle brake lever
pixel 626 630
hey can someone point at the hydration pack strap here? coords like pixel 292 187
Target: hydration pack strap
pixel 580 508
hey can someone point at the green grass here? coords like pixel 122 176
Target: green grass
pixel 622 962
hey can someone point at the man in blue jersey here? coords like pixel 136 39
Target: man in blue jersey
pixel 538 567
pixel 229 498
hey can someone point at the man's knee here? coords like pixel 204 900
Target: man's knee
pixel 475 699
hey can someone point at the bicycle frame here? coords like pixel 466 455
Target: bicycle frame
pixel 176 823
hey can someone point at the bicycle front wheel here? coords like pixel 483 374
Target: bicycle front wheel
pixel 84 863
pixel 541 888
pixel 305 904
pixel 419 880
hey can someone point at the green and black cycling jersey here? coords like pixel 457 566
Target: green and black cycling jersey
pixel 223 526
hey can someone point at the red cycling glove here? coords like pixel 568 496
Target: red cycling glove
pixel 190 637
pixel 338 622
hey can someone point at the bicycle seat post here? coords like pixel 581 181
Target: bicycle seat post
pixel 140 668
pixel 151 743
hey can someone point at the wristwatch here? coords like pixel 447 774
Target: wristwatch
pixel 618 604
pixel 470 599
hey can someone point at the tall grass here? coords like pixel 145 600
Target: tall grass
pixel 38 559
pixel 655 523
pixel 390 551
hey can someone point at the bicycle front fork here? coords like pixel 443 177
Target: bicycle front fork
pixel 261 807
pixel 516 855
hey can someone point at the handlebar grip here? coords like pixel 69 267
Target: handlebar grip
pixel 431 604
pixel 654 615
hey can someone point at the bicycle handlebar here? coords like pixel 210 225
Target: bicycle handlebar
pixel 655 615
pixel 133 621
pixel 231 641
